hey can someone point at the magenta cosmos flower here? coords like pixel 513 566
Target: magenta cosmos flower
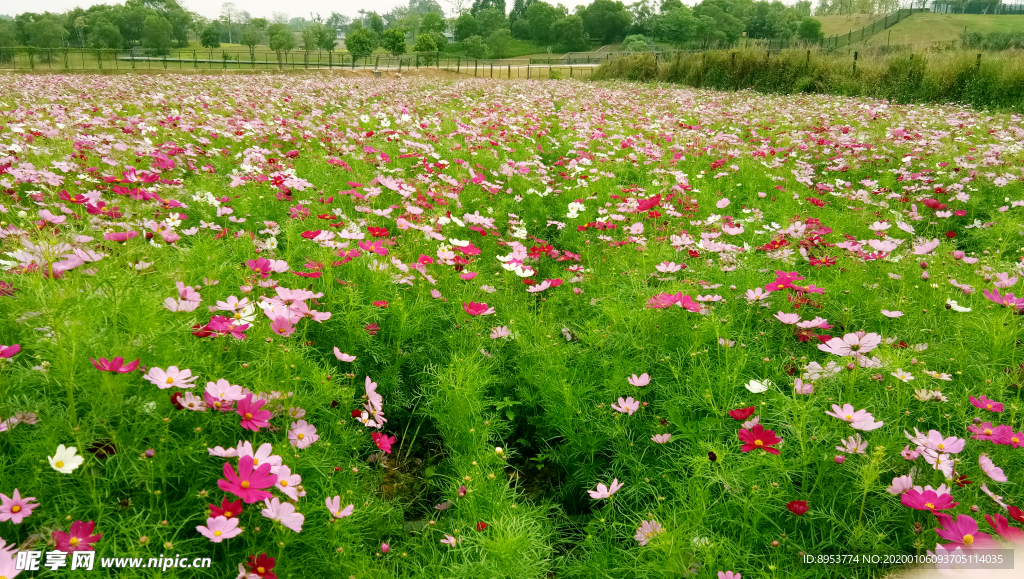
pixel 120 236
pixel 80 537
pixel 248 484
pixel 985 404
pixel 963 533
pixel 15 508
pixel 115 365
pixel 9 351
pixel 850 344
pixel 927 500
pixel 477 309
pixel 253 418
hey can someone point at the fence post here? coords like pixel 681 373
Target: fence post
pixel 417 60
pixel 195 60
pixel 476 64
pixel 99 58
pixel 438 63
pixel 808 64
pixel 492 70
pixel 509 73
pixel 977 67
pixel 855 62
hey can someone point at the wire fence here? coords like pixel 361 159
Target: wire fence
pixel 886 21
pixel 985 7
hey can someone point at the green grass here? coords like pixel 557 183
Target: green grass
pixel 925 28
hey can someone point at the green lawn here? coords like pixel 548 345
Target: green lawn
pixel 928 28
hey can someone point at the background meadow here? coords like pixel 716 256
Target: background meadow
pixel 627 238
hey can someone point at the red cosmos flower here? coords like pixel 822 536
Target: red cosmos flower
pixel 481 526
pixel 1016 513
pixel 477 309
pixel 176 400
pixel 759 437
pixel 742 413
pixel 950 234
pixel 378 231
pixel 262 566
pixel 372 329
pixel 380 304
pixel 798 508
pixel 227 509
pixel 310 234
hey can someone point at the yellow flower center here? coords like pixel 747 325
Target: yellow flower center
pixel 16 509
pixel 989 406
pixel 255 461
pixel 261 570
pixel 248 415
pixel 1015 439
pixel 758 443
pixel 337 514
pixel 968 539
pixel 849 417
pixel 929 505
pixel 300 436
pixel 284 483
pixel 216 533
pixel 941 446
pixel 60 464
pixel 988 431
pixel 170 380
pixel 74 541
pixel 227 514
pixel 245 484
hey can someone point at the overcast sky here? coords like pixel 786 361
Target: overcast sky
pixel 256 8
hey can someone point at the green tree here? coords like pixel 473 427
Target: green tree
pixel 361 42
pixel 541 16
pixel 251 37
pixel 678 26
pixel 670 5
pixel 521 29
pixel 465 26
pixel 635 43
pixel 393 41
pixel 499 43
pixel 375 23
pixel 474 47
pixel 810 30
pixel 281 39
pixel 605 20
pixel 103 34
pixel 570 34
pixel 770 20
pixel 481 5
pixel 210 36
pixel 309 39
pixel 431 22
pixel 728 28
pixel 156 34
pixel 425 43
pixel 803 8
pixel 489 20
pixel 45 33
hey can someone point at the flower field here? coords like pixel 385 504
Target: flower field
pixel 403 327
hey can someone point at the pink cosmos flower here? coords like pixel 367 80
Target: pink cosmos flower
pixel 120 236
pixel 288 482
pixel 901 484
pixel 989 468
pixel 935 441
pixel 252 417
pixel 79 537
pixel 627 405
pixel 858 419
pixel 15 508
pixel 115 365
pixel 647 531
pixel 249 483
pixel 853 445
pixel 849 344
pixel 985 404
pixel 963 533
pixel 171 377
pixel 219 528
pixel 477 309
pixel 604 492
pixel 729 575
pixel 927 500
pixel 283 513
pixel 221 395
pixel 888 314
pixel 788 319
pixel 662 438
pixel 910 454
pixel 500 332
pixel 9 351
pixel 640 381
pixel 802 387
pixel 1008 300
pixel 282 326
pixel 449 540
pixel 343 356
pixel 334 506
pixel 302 434
pixel 262 455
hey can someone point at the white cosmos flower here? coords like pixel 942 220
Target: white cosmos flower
pixel 758 386
pixel 65 459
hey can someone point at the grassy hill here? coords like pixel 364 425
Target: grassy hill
pixel 928 28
